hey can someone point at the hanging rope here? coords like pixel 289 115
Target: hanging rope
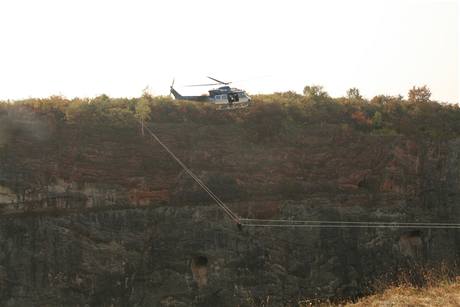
pixel 279 223
pixel 219 202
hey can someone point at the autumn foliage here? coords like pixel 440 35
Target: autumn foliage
pixel 269 116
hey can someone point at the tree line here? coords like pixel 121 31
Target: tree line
pixel 270 116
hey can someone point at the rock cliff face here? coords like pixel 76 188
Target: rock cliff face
pixel 105 217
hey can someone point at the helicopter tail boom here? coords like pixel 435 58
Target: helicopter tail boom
pixel 176 93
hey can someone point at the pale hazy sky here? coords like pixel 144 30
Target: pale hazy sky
pixel 90 47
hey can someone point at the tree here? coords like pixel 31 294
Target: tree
pixel 354 94
pixel 315 91
pixel 419 94
pixel 384 99
pixel 143 108
pixel 361 119
pixel 377 120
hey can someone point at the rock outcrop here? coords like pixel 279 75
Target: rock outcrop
pixel 106 218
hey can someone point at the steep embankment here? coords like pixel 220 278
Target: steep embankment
pixel 442 295
pixel 97 214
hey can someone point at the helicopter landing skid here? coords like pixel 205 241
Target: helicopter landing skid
pixel 227 107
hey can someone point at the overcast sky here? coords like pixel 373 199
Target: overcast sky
pixel 90 47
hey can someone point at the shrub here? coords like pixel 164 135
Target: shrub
pixel 361 119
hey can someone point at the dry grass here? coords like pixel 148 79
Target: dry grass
pixel 444 294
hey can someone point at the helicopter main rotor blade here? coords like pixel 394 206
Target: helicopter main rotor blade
pixel 209 84
pixel 221 82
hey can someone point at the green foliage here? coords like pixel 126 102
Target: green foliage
pixel 383 99
pixel 284 98
pixel 315 92
pixel 269 118
pixel 377 120
pixel 354 94
pixel 99 112
pixel 142 108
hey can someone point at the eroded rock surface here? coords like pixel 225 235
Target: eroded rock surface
pixel 108 219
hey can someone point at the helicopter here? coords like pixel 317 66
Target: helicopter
pixel 225 97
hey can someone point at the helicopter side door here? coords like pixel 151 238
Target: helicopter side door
pixel 233 97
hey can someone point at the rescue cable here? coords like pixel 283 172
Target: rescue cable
pixel 219 202
pixel 295 223
pixel 343 224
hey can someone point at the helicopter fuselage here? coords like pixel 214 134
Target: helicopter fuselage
pixel 224 95
pixel 228 95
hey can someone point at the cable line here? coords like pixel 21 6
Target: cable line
pixel 362 225
pixel 367 223
pixel 219 202
pixel 280 223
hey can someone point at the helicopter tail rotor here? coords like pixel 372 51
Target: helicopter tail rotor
pixel 173 92
pixel 171 88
